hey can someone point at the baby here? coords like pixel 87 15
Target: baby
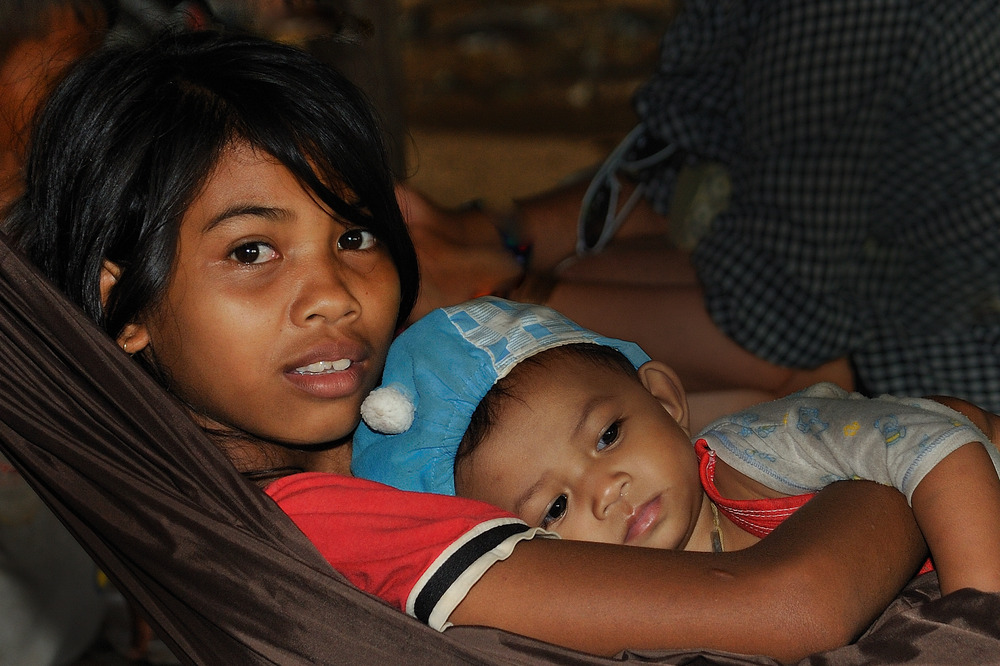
pixel 586 436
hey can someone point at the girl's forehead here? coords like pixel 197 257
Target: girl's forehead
pixel 241 179
pixel 239 152
pixel 243 170
pixel 238 165
pixel 247 180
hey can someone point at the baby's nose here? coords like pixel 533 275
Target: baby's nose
pixel 612 490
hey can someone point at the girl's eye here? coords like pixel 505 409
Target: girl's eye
pixel 256 252
pixel 356 239
pixel 609 437
pixel 556 510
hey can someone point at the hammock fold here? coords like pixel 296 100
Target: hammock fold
pixel 221 573
pixel 224 576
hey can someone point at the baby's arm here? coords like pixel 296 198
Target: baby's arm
pixel 804 442
pixel 957 506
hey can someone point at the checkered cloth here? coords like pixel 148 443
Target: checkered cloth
pixel 863 140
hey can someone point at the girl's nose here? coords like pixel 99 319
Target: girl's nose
pixel 326 294
pixel 609 489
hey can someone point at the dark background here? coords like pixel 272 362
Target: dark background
pixel 503 99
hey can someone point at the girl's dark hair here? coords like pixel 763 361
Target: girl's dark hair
pixel 129 137
pixel 490 408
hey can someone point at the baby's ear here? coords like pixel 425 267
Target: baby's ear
pixel 134 337
pixel 664 385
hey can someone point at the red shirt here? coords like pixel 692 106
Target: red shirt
pixel 418 551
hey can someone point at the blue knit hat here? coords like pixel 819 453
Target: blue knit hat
pixel 437 372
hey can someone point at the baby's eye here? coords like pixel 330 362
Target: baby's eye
pixel 556 510
pixel 256 252
pixel 356 239
pixel 609 437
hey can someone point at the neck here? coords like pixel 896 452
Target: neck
pixel 267 460
pixel 335 460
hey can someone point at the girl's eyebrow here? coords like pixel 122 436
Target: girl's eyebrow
pixel 240 210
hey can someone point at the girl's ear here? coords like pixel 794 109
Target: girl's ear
pixel 135 337
pixel 663 384
pixel 109 276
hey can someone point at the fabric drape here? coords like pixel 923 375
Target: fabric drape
pixel 224 576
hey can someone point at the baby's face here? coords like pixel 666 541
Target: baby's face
pixel 588 452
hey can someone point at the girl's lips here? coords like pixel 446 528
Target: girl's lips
pixel 321 367
pixel 330 371
pixel 329 384
pixel 643 519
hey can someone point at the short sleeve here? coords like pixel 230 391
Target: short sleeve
pixel 823 434
pixel 419 552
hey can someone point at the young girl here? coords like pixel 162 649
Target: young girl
pixel 222 208
pixel 586 436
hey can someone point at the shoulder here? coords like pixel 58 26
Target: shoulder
pixel 314 489
pixel 421 552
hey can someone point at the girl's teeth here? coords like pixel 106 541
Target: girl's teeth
pixel 325 366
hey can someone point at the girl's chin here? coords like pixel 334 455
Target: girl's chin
pixel 316 428
pixel 307 447
pixel 321 437
pixel 331 427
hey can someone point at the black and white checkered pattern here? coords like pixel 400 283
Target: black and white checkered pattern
pixel 863 141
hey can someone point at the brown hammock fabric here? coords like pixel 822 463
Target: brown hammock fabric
pixel 225 577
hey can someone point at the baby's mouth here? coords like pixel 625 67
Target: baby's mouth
pixel 324 367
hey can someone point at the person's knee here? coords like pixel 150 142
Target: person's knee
pixel 838 371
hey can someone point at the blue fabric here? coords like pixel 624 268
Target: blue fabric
pixel 445 363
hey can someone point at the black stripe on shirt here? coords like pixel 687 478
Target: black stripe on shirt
pixel 463 558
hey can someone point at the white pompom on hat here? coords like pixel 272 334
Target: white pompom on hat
pixel 388 410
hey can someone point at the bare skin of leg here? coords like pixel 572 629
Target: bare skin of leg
pixel 633 262
pixel 460 251
pixel 549 222
pixel 641 289
pixel 638 289
pixel 707 406
pixel 672 325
